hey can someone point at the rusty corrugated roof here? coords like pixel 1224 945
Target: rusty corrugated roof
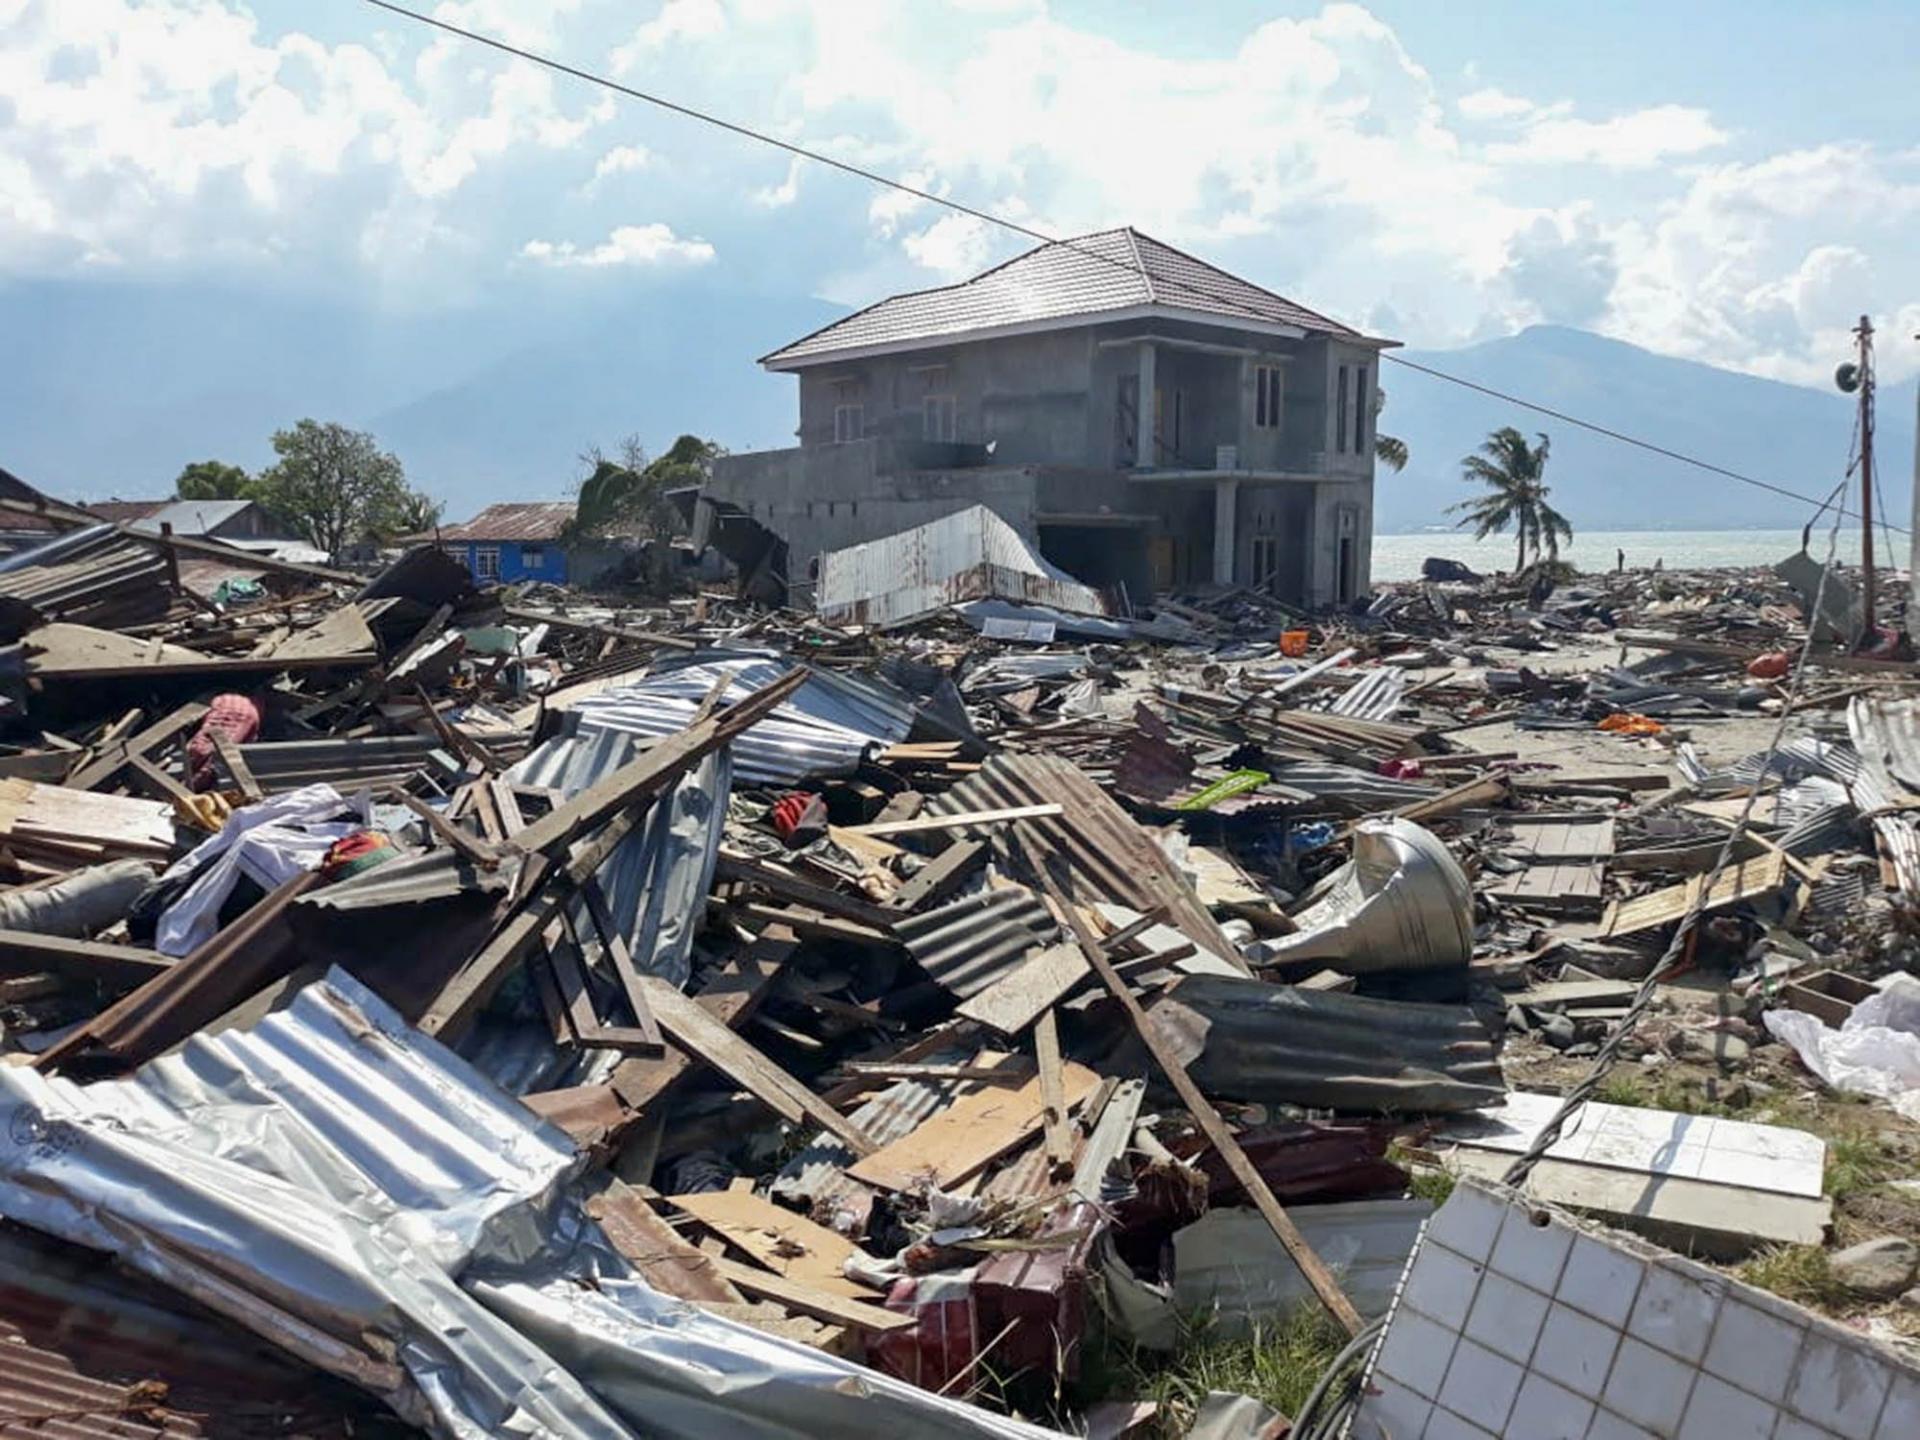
pixel 536 520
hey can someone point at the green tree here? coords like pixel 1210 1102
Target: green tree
pixel 417 513
pixel 631 496
pixel 1390 451
pixel 1513 472
pixel 333 485
pixel 213 480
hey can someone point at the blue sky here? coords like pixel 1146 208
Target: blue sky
pixel 1730 183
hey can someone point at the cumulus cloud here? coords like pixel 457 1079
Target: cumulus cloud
pixel 1563 267
pixel 644 245
pixel 1493 104
pixel 775 197
pixel 621 160
pixel 1632 141
pixel 677 20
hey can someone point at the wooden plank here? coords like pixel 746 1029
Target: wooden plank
pixel 1487 790
pixel 785 885
pixel 1211 1125
pixel 1567 887
pixel 229 753
pixel 711 1042
pixel 790 1245
pixel 156 782
pixel 805 1300
pixel 1562 837
pixel 924 823
pixel 970 1134
pixel 1053 1094
pixel 99 771
pixel 24 952
pixel 1017 999
pixel 623 967
pixel 1737 882
pixel 941 876
pixel 654 1248
pixel 486 856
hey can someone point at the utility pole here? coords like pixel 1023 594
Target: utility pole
pixel 1865 334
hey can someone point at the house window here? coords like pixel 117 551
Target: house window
pixel 849 422
pixel 1266 396
pixel 1359 409
pixel 1340 415
pixel 486 562
pixel 938 420
pixel 533 557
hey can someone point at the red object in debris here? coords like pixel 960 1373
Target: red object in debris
pixel 234 716
pixel 800 817
pixel 1294 643
pixel 1771 666
pixel 1401 769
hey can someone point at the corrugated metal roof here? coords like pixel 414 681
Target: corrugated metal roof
pixel 1110 856
pixel 969 555
pixel 125 512
pixel 1090 275
pixel 516 520
pixel 823 729
pixel 969 943
pixel 1376 696
pixel 191 517
pixel 95 576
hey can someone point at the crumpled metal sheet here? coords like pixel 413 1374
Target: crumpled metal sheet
pixel 823 729
pixel 1401 903
pixel 1377 696
pixel 359 1195
pixel 317 1179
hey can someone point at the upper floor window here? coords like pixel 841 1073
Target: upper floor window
pixel 849 423
pixel 1266 396
pixel 938 418
pixel 1359 409
pixel 1340 415
pixel 533 557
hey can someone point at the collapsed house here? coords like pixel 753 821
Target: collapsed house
pixel 425 1010
pixel 1148 420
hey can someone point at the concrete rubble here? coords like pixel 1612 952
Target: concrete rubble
pixel 534 1012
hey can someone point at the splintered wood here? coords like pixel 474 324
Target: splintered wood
pixel 970 1134
pixel 1759 876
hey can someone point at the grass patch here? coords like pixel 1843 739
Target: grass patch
pixel 1279 1362
pixel 1431 1185
pixel 1858 1162
pixel 1675 1095
pixel 1799 1273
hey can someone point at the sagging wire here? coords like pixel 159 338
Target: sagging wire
pixel 1577 1098
pixel 1335 1396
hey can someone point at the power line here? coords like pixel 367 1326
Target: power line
pixel 988 217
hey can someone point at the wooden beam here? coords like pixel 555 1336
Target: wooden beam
pixel 112 760
pixel 922 824
pixel 486 856
pixel 940 876
pixel 785 885
pixel 805 1300
pixel 24 952
pixel 623 966
pixel 1211 1125
pixel 157 783
pixel 1053 1093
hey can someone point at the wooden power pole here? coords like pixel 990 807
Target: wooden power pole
pixel 1865 335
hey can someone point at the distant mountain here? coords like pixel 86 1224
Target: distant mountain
pixel 1791 435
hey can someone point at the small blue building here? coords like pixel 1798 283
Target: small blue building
pixel 511 543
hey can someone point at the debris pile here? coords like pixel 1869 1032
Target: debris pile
pixel 552 1017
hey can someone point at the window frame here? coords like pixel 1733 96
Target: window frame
pixel 1340 415
pixel 932 409
pixel 482 555
pixel 1360 409
pixel 849 421
pixel 533 557
pixel 1266 397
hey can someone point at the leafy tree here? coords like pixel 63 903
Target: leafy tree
pixel 1516 495
pixel 333 485
pixel 213 480
pixel 1390 451
pixel 417 513
pixel 631 495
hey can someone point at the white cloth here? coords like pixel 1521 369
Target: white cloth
pixel 269 843
pixel 1875 1052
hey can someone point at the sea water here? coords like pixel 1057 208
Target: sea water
pixel 1398 557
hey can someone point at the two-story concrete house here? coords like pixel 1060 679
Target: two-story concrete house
pixel 1149 419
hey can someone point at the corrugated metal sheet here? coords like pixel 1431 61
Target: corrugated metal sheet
pixel 1268 1044
pixel 1821 832
pixel 367 760
pixel 87 1343
pixel 824 729
pixel 1109 855
pixel 971 942
pixel 1376 697
pixel 969 555
pixel 534 520
pixel 96 576
pixel 1348 789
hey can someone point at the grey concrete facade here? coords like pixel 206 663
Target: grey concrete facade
pixel 1252 464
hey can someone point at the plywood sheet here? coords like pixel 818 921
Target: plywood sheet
pixel 969 1134
pixel 1017 999
pixel 789 1245
pixel 1538 838
pixel 1737 882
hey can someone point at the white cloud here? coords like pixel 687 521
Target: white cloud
pixel 1631 141
pixel 677 20
pixel 1493 104
pixel 775 197
pixel 954 246
pixel 621 160
pixel 653 244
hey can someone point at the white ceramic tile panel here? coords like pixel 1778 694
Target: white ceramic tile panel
pixel 1507 1317
pixel 1481 1386
pixel 1625 1137
pixel 1648 1387
pixel 1532 1253
pixel 1668 1350
pixel 1754 1348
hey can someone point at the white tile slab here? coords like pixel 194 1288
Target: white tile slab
pixel 1601 1280
pixel 1647 1387
pixel 1531 1253
pixel 1545 1411
pixel 1900 1417
pixel 1443 1425
pixel 1441 1284
pixel 1755 1349
pixel 1719 1411
pixel 1838 1385
pixel 1675 1312
pixel 1507 1317
pixel 1416 1353
pixel 1481 1386
pixel 1392 1412
pixel 1575 1350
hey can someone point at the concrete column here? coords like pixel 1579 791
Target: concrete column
pixel 1226 514
pixel 1145 452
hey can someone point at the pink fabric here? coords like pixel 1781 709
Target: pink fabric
pixel 235 716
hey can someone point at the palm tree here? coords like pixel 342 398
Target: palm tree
pixel 1390 451
pixel 1516 495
